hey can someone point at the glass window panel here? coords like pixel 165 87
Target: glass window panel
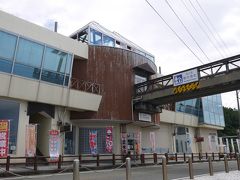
pixel 5 66
pixel 212 118
pixel 7 45
pixel 55 60
pixel 206 117
pixel 69 63
pixel 29 53
pixel 96 37
pixel 26 71
pixel 52 77
pixel 66 80
pixel 108 41
pixel 69 142
pixel 10 110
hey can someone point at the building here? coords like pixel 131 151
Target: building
pixel 83 86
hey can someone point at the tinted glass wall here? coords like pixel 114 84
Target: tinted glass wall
pixel 208 109
pixel 30 59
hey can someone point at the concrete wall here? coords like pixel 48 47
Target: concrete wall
pixel 32 31
pixel 37 91
pixel 204 132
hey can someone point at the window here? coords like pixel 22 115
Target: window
pixel 29 53
pixel 55 60
pixel 84 147
pixel 69 143
pixel 5 66
pixel 26 71
pixel 9 110
pixel 96 37
pixel 7 45
pixel 69 63
pixel 52 77
pixel 108 41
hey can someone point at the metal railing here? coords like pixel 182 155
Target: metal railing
pixel 86 86
pixel 205 71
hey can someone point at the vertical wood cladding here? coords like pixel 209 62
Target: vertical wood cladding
pixel 112 69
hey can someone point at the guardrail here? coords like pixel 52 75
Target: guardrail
pixel 86 86
pixel 101 160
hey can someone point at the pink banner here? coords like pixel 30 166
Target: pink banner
pixel 4 132
pixel 30 140
pixel 93 141
pixel 109 139
pixel 54 144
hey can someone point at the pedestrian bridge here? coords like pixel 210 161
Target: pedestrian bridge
pixel 213 78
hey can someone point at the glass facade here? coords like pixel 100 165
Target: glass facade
pixel 30 59
pixel 9 110
pixel 208 109
pixel 99 38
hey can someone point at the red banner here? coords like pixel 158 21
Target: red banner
pixel 4 132
pixel 54 145
pixel 93 141
pixel 109 139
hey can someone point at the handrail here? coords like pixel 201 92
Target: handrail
pixel 86 86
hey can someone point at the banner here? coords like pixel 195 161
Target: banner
pixel 93 141
pixel 30 140
pixel 54 144
pixel 153 141
pixel 109 139
pixel 4 137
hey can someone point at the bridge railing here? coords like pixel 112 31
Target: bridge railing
pixel 209 70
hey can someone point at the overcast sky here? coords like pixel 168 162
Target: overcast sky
pixel 135 20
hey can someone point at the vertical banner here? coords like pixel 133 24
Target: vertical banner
pixel 54 144
pixel 124 143
pixel 30 140
pixel 109 139
pixel 93 141
pixel 138 142
pixel 4 137
pixel 232 146
pixel 210 143
pixel 238 145
pixel 227 146
pixel 153 141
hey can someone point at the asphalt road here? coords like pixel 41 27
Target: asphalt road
pixel 138 173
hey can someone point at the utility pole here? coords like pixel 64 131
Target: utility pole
pixel 237 94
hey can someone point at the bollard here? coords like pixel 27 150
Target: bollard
pixel 164 168
pixel 60 162
pixel 35 163
pixel 238 161
pixel 76 169
pixel 113 160
pixel 155 158
pixel 190 165
pixel 7 163
pixel 128 169
pixel 226 164
pixel 210 166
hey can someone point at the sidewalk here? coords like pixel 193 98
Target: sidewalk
pixel 232 175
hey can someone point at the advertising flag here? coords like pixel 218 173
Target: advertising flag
pixel 109 139
pixel 4 137
pixel 54 144
pixel 30 140
pixel 93 141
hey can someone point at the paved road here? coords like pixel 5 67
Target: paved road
pixel 139 173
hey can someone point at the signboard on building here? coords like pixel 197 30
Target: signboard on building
pixel 185 77
pixel 54 144
pixel 30 140
pixel 4 133
pixel 109 139
pixel 145 117
pixel 93 141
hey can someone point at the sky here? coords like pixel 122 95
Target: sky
pixel 137 21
